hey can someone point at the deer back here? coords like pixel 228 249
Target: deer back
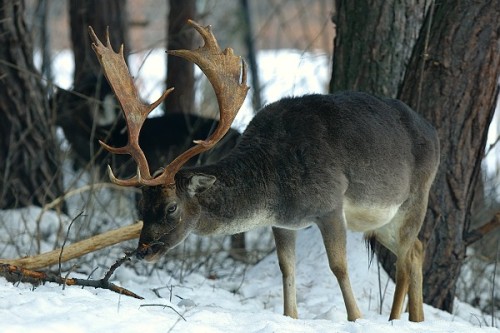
pixel 302 157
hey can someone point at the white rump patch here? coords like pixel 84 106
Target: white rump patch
pixel 367 217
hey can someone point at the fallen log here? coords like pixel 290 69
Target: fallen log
pixel 78 249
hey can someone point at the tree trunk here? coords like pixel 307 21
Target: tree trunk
pixel 100 15
pixel 251 54
pixel 29 155
pixel 373 44
pixel 83 111
pixel 42 38
pixel 452 80
pixel 180 72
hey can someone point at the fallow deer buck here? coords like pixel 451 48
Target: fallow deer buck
pixel 347 160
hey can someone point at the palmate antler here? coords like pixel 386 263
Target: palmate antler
pixel 222 68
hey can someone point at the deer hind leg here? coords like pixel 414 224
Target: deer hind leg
pixel 285 248
pixel 333 231
pixel 409 251
pixel 409 281
pixel 402 286
pixel 411 258
pixel 415 295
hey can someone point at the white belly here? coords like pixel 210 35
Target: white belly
pixel 368 217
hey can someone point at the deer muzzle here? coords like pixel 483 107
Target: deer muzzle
pixel 149 252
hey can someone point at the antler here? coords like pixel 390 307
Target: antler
pixel 116 71
pixel 222 68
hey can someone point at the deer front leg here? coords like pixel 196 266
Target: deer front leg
pixel 333 230
pixel 285 248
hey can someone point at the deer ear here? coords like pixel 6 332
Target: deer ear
pixel 199 183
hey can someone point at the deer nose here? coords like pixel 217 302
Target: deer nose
pixel 143 250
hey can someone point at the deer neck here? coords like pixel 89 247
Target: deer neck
pixel 237 201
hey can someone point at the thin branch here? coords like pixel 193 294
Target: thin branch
pixel 478 233
pixel 15 273
pixel 59 261
pixel 491 146
pixel 425 54
pixel 117 264
pixel 493 284
pixel 165 306
pixel 90 187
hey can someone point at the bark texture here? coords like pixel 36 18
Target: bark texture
pixel 29 156
pixel 100 15
pixel 373 44
pixel 180 72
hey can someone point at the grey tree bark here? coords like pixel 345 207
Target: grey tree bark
pixel 373 44
pixel 180 72
pixel 29 154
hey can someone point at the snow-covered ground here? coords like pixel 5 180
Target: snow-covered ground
pixel 233 297
pixel 247 300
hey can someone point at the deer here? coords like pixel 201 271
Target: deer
pixel 341 161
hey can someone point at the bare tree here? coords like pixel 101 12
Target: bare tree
pixel 29 155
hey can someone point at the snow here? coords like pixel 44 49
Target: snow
pixel 222 295
pixel 249 301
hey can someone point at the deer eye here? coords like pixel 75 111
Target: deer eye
pixel 172 208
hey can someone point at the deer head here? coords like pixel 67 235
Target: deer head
pixel 227 75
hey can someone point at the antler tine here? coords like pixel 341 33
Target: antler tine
pixel 227 75
pixel 135 111
pixel 223 69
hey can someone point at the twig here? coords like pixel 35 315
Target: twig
pixel 491 146
pixel 19 273
pixel 493 286
pixel 478 233
pixel 164 306
pixel 59 261
pixel 117 264
pixel 85 188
